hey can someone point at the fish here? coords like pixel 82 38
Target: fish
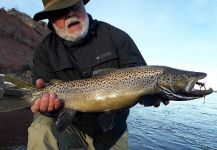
pixel 108 89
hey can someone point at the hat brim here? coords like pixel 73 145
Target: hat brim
pixel 58 6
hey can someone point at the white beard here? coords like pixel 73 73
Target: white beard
pixel 63 33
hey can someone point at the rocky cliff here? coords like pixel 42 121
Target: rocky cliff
pixel 19 34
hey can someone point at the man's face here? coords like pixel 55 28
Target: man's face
pixel 71 23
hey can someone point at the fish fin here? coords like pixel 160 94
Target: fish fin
pixel 15 81
pixel 103 71
pixel 64 118
pixel 107 120
pixel 9 104
pixel 15 93
pixel 55 81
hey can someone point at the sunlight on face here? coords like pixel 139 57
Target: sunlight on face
pixel 71 24
pixel 73 34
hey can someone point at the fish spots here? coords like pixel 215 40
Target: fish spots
pixel 127 78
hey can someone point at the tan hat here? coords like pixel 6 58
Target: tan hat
pixel 53 5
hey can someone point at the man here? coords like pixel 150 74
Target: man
pixel 76 47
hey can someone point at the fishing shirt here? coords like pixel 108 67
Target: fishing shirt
pixel 104 46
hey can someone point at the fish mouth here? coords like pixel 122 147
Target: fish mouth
pixel 195 80
pixel 194 89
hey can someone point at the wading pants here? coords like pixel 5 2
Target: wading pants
pixel 44 136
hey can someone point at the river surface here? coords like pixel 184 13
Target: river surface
pixel 186 125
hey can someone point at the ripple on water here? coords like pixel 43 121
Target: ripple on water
pixel 180 125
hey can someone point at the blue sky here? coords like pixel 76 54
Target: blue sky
pixel 176 33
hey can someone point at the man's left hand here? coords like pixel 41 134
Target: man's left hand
pixel 158 102
pixel 153 100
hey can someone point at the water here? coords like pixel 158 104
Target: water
pixel 188 125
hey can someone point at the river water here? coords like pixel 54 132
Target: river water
pixel 185 125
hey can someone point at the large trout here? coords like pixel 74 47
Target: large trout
pixel 109 89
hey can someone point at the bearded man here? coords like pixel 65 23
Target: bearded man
pixel 76 47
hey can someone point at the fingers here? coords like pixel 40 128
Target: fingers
pixel 55 104
pixel 36 106
pixel 166 102
pixel 157 104
pixel 47 103
pixel 40 84
pixel 51 104
pixel 44 102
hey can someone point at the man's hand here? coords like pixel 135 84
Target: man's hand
pixel 153 100
pixel 46 103
pixel 157 103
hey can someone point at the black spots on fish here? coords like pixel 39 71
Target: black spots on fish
pixel 152 77
pixel 148 82
pixel 188 76
pixel 103 82
pixel 165 79
pixel 92 82
pixel 62 89
pixel 177 77
pixel 133 84
pixel 79 85
pixel 130 76
pixel 109 86
pixel 119 79
pixel 148 71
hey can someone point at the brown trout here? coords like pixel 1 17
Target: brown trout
pixel 114 89
pixel 109 89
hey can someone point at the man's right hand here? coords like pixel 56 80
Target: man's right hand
pixel 49 102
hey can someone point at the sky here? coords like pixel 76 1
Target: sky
pixel 176 33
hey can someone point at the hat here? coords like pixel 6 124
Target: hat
pixel 53 5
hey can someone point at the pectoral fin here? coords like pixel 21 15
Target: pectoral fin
pixel 107 120
pixel 64 118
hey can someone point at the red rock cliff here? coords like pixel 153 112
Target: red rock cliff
pixel 19 34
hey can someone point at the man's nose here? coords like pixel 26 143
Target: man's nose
pixel 69 12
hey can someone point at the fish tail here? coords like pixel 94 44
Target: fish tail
pixel 15 93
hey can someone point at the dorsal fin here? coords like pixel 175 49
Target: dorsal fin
pixel 55 81
pixel 103 71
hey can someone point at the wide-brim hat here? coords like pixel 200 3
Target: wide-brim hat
pixel 54 5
